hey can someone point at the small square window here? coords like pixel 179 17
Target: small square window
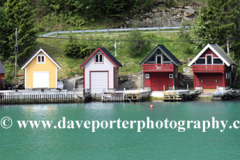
pixel 147 76
pixel 40 59
pixel 98 58
pixel 170 76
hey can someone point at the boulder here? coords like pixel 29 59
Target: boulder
pixel 189 12
pixel 187 70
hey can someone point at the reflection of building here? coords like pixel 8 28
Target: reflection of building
pixel 160 68
pixel 41 70
pixel 100 71
pixel 212 67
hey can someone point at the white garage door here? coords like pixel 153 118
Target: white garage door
pixel 40 79
pixel 99 80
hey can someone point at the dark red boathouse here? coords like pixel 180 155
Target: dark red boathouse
pixel 212 68
pixel 160 69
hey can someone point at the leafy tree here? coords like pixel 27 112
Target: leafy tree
pixel 20 14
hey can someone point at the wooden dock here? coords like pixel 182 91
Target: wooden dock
pixel 38 97
pixel 180 95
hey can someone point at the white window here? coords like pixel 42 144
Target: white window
pixel 40 59
pixel 170 76
pixel 98 58
pixel 147 76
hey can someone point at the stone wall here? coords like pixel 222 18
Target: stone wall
pixel 164 17
pixel 130 81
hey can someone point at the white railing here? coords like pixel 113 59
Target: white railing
pixel 56 33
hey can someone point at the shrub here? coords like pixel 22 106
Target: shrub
pixel 77 49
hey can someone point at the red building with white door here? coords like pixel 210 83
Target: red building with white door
pixel 160 69
pixel 212 67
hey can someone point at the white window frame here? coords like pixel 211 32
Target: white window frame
pixel 98 55
pixel 216 58
pixel 170 76
pixel 147 76
pixel 211 59
pixel 41 55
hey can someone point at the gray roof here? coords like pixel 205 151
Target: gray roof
pixel 165 51
pixel 2 69
pixel 35 54
pixel 111 57
pixel 222 53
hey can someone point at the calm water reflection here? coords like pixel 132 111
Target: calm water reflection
pixel 120 144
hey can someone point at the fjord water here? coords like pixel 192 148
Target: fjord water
pixel 121 143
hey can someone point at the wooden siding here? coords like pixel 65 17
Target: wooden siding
pixel 2 75
pixel 209 80
pixel 158 67
pixel 48 66
pixel 158 80
pixel 208 68
pixel 90 66
pixel 208 51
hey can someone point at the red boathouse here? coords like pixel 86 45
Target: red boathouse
pixel 212 68
pixel 160 68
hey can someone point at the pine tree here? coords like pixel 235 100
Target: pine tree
pixel 3 30
pixel 216 21
pixel 20 14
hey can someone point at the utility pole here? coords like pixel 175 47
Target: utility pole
pixel 16 52
pixel 227 46
pixel 115 48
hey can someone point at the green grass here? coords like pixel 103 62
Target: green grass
pixel 70 66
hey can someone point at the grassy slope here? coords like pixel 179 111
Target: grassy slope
pixel 70 66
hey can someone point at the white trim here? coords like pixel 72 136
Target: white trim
pixel 214 51
pixel 206 63
pixel 56 77
pixel 147 76
pixel 41 55
pixel 41 50
pixel 98 55
pixel 25 78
